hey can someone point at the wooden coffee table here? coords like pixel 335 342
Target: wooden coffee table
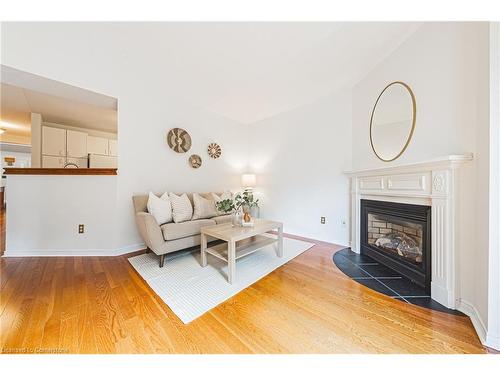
pixel 241 241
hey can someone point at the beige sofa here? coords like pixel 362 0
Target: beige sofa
pixel 170 237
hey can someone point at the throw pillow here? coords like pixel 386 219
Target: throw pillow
pixel 160 208
pixel 181 208
pixel 217 198
pixel 203 208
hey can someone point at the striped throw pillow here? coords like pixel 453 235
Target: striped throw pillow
pixel 181 207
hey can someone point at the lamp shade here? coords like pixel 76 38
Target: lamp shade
pixel 248 180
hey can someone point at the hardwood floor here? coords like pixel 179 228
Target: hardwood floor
pixel 101 305
pixel 2 228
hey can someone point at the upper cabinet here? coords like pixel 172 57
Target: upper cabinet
pixel 53 141
pixel 113 147
pixel 76 144
pixel 97 145
pixel 62 146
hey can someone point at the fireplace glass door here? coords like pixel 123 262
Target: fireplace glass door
pixel 399 236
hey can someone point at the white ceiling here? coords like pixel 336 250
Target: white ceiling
pixel 251 71
pixel 55 101
pixel 242 71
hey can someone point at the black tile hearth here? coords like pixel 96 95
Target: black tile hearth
pixel 344 260
pixel 378 270
pixel 366 271
pixel 358 258
pixel 353 271
pixel 406 288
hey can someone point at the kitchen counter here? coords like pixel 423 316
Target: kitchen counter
pixel 61 171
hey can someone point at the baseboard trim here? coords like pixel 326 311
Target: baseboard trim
pixel 469 309
pixel 442 295
pixel 492 341
pixel 59 253
pixel 76 252
pixel 130 248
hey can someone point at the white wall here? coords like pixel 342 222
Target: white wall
pixel 493 336
pixel 446 65
pixel 114 60
pixel 438 62
pixel 479 249
pixel 146 162
pixel 299 157
pixel 48 210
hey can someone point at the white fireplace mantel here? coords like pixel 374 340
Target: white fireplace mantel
pixel 431 183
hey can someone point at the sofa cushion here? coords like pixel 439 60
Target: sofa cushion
pixel 221 197
pixel 173 231
pixel 181 207
pixel 160 208
pixel 222 219
pixel 203 208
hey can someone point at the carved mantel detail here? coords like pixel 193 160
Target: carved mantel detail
pixel 438 183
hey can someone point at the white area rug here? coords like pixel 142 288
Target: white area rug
pixel 191 290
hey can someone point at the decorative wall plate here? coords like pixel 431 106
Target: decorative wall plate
pixel 195 161
pixel 214 150
pixel 179 140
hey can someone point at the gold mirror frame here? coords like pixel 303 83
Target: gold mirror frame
pixel 414 104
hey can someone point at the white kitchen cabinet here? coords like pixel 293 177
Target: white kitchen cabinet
pixel 97 145
pixel 76 144
pixel 80 162
pixel 101 161
pixel 113 147
pixel 53 161
pixel 53 141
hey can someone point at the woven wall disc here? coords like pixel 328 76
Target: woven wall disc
pixel 214 150
pixel 195 161
pixel 179 140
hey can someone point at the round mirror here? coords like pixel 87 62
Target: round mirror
pixel 393 121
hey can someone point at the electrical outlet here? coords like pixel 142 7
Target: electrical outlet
pixel 323 220
pixel 81 228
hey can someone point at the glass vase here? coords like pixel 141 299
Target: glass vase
pixel 236 218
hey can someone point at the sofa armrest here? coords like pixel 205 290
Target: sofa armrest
pixel 150 231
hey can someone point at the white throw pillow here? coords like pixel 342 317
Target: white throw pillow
pixel 181 208
pixel 203 208
pixel 160 208
pixel 217 198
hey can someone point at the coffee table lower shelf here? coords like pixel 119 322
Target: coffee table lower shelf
pixel 243 247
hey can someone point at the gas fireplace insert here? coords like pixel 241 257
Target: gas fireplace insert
pixel 398 235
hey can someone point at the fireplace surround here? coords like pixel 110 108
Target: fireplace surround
pixel 398 235
pixel 433 183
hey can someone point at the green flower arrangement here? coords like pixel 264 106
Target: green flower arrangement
pixel 240 201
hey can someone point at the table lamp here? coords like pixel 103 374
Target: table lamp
pixel 248 181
